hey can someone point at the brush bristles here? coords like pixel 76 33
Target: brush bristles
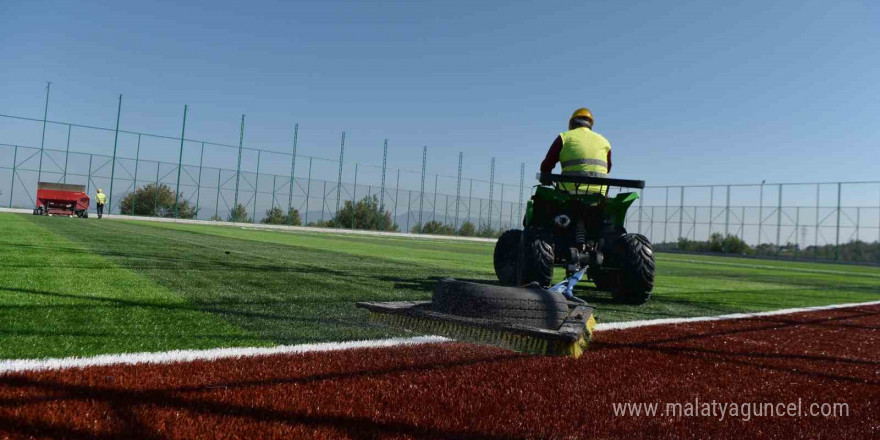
pixel 498 338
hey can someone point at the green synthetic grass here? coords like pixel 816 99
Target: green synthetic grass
pixel 76 287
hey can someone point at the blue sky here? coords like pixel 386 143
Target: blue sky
pixel 688 92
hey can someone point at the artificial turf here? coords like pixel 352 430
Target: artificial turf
pixel 79 287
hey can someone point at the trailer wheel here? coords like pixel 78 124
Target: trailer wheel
pixel 529 305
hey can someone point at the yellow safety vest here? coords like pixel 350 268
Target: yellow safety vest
pixel 584 152
pixel 102 198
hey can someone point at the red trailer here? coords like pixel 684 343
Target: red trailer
pixel 62 199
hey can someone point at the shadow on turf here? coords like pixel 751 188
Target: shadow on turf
pixel 126 405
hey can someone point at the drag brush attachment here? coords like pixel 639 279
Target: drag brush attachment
pixel 524 319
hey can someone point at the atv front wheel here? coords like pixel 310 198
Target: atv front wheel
pixel 637 273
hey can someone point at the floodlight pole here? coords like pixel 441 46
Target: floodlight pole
pixel 238 171
pixel 179 164
pixel 115 144
pixel 43 138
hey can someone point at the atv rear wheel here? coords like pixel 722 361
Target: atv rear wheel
pixel 530 305
pixel 508 257
pixel 637 272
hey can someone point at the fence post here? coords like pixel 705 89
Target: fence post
pixel 727 213
pixel 89 176
pixel 651 227
pixel 179 164
pixel 666 215
pixel 434 206
pixel 67 153
pixel 409 210
pixel 323 201
pixel 256 187
pixel 137 157
pixel 199 181
pixel 711 208
pixel 761 215
pixel 446 214
pixel 694 227
pixel 156 193
pixel 816 232
pixel 500 208
pixel 396 194
pixel 641 198
pixel 354 197
pixel 339 178
pixel 491 193
pixel 522 178
pixel 238 171
pixel 422 189
pixel 480 215
pixel 382 190
pixel 779 219
pixel 292 171
pixel 43 138
pixel 470 199
pixel 681 212
pixel 837 234
pixel 12 184
pixel 217 201
pixel 797 225
pixel 308 191
pixel 458 189
pixel 274 179
pixel 113 166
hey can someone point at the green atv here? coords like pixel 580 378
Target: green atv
pixel 583 232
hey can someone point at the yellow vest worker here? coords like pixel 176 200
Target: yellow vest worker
pixel 101 198
pixel 580 151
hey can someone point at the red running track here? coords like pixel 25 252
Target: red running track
pixel 466 391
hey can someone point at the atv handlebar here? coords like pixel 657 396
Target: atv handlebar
pixel 565 178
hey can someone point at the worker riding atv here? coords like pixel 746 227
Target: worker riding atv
pixel 571 222
pixel 583 232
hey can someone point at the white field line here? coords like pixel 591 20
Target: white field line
pixel 28 365
pixel 667 321
pixel 167 357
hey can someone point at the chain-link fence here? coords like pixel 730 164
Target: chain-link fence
pixel 834 220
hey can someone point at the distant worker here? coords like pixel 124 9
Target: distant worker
pixel 580 151
pixel 101 199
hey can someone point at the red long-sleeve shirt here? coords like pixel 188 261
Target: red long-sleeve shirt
pixel 553 157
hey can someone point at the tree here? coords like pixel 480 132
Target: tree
pixel 486 231
pixel 216 218
pixel 434 228
pixel 467 229
pixel 365 214
pixel 239 214
pixel 275 216
pixel 156 201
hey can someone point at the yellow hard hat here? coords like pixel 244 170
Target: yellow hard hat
pixel 582 112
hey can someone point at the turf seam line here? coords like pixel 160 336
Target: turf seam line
pixel 9 366
pixel 667 321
